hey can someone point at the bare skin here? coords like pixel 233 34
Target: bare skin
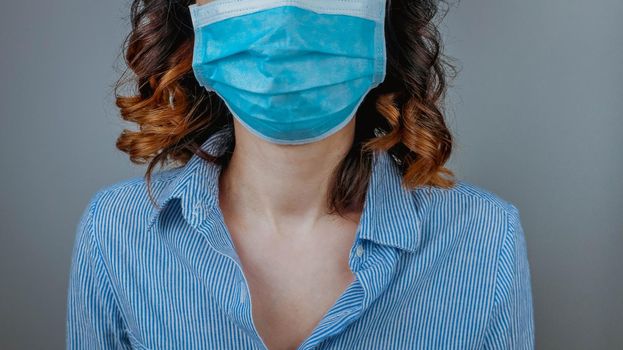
pixel 294 256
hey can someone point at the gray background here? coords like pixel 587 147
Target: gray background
pixel 537 113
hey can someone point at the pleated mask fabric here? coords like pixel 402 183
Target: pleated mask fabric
pixel 291 71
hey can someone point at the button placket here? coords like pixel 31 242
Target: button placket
pixel 238 306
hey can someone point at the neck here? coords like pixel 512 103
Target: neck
pixel 282 183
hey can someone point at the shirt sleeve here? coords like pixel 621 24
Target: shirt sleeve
pixel 93 317
pixel 511 324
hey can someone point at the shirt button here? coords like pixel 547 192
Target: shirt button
pixel 359 250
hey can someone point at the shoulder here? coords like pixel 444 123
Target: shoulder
pixel 124 205
pixel 129 194
pixel 467 209
pixel 466 196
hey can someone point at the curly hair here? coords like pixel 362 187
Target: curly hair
pixel 403 115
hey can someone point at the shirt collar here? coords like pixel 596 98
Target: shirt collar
pixel 391 215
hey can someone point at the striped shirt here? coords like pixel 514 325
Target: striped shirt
pixel 435 269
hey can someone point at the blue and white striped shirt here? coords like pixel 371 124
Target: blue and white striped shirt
pixel 435 269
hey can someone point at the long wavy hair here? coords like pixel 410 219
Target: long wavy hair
pixel 403 115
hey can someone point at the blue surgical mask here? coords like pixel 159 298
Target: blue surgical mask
pixel 291 71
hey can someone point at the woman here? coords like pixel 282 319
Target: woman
pixel 289 222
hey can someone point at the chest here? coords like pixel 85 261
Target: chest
pixel 189 295
pixel 294 282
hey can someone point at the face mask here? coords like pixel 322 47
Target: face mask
pixel 291 71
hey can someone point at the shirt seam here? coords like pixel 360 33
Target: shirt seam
pixel 509 234
pixel 100 256
pixel 164 176
pixel 463 188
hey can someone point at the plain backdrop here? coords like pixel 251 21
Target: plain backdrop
pixel 537 113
